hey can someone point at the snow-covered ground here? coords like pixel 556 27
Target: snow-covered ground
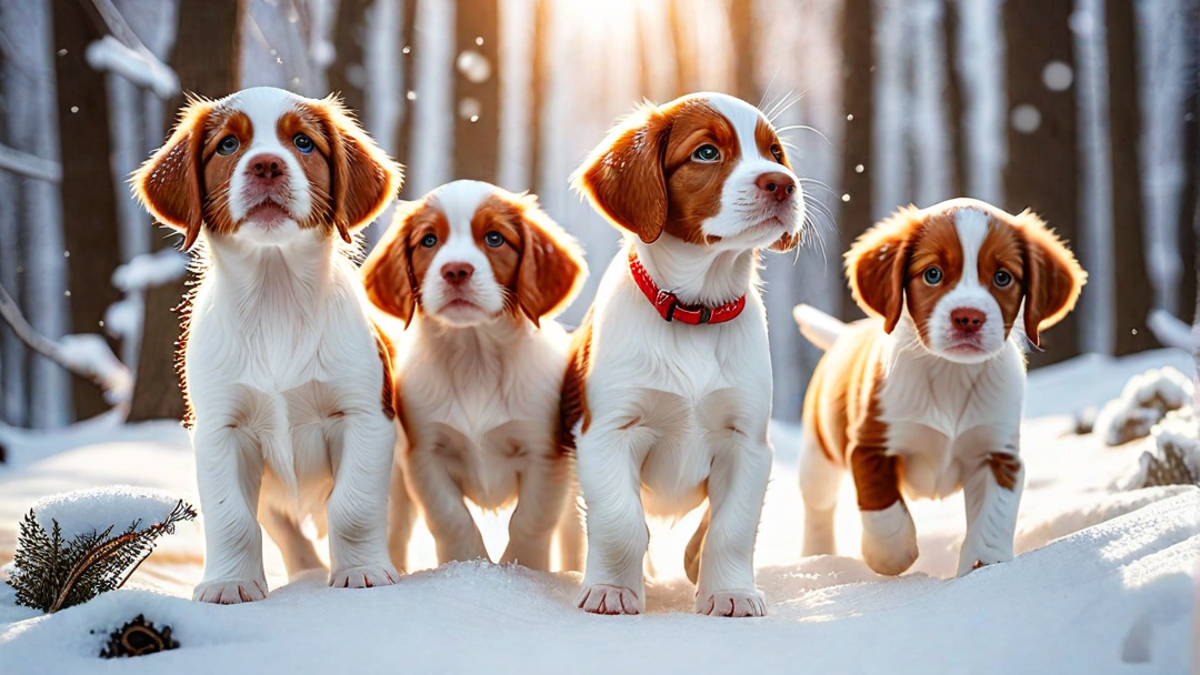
pixel 1105 581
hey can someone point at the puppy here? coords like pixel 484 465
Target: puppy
pixel 476 273
pixel 926 397
pixel 668 394
pixel 287 379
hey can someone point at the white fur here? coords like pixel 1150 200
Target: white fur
pixel 679 413
pixel 285 382
pixel 480 392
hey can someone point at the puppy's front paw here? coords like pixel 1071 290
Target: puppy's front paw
pixel 365 576
pixel 230 592
pixel 732 603
pixel 889 539
pixel 969 563
pixel 606 599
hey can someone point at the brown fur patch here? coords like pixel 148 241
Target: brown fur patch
pixel 1053 278
pixel 768 143
pixel 694 188
pixel 387 352
pixel 1002 249
pixel 573 405
pixel 1005 469
pixel 392 273
pixel 932 243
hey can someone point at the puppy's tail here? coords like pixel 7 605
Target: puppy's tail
pixel 821 329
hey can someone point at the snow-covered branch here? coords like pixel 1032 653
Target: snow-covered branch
pixel 87 356
pixel 30 166
pixel 1169 330
pixel 138 66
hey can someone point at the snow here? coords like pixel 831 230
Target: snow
pixel 139 67
pixel 150 269
pixel 1104 580
pixel 94 510
pixel 1179 429
pixel 89 353
pixel 1169 330
pixel 1144 401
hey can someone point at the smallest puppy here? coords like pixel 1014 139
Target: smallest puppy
pixel 926 398
pixel 477 273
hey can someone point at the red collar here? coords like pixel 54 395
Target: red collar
pixel 671 309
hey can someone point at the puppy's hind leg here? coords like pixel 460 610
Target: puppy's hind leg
pixel 542 496
pixel 402 514
pixel 572 541
pixel 299 554
pixel 820 480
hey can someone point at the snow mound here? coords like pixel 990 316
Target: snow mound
pixel 95 510
pixel 1174 456
pixel 89 353
pixel 1144 401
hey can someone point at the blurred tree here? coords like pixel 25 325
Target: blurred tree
pixel 408 36
pixel 1134 294
pixel 858 103
pixel 745 52
pixel 89 207
pixel 687 79
pixel 1190 205
pixel 540 82
pixel 476 89
pixel 1042 139
pixel 954 101
pixel 348 72
pixel 206 56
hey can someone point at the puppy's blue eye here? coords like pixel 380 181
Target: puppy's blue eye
pixel 706 153
pixel 1002 278
pixel 493 239
pixel 933 276
pixel 429 240
pixel 304 143
pixel 228 145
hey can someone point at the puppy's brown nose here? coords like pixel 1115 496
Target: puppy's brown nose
pixel 266 167
pixel 968 320
pixel 776 184
pixel 457 273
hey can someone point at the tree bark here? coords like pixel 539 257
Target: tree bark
pixel 1042 165
pixel 686 78
pixel 206 56
pixel 1190 204
pixel 476 98
pixel 954 101
pixel 348 72
pixel 540 80
pixel 858 103
pixel 1134 294
pixel 89 205
pixel 745 54
pixel 408 43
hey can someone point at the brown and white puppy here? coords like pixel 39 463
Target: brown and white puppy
pixel 287 378
pixel 477 274
pixel 669 391
pixel 926 398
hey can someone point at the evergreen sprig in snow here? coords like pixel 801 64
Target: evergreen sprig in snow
pixel 51 572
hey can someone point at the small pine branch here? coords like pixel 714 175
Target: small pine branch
pixel 51 574
pixel 1170 469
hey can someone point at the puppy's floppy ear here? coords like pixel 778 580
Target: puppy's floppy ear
pixel 387 273
pixel 365 179
pixel 1053 278
pixel 170 185
pixel 551 269
pixel 623 177
pixel 877 263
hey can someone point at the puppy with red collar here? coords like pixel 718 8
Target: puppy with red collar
pixel 926 398
pixel 668 393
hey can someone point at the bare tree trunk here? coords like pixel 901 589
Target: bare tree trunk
pixel 477 89
pixel 408 107
pixel 745 53
pixel 1190 204
pixel 954 101
pixel 206 58
pixel 540 80
pixel 348 72
pixel 91 232
pixel 1042 158
pixel 858 103
pixel 686 78
pixel 1134 293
